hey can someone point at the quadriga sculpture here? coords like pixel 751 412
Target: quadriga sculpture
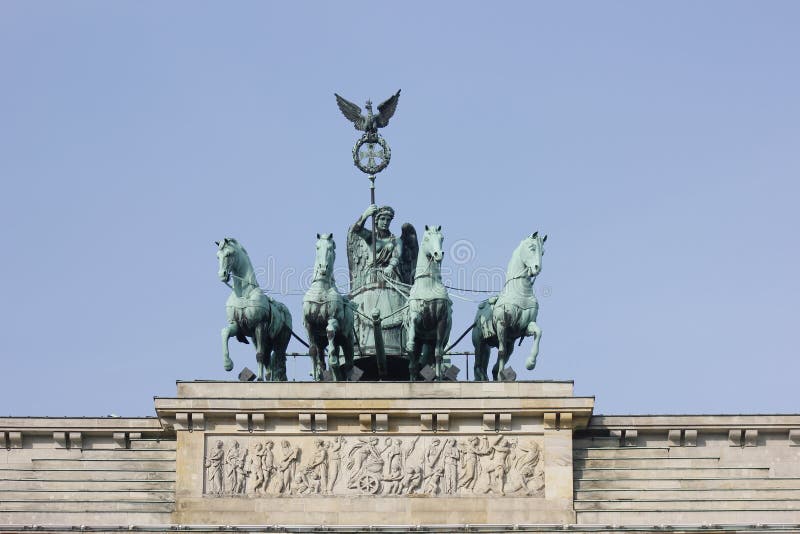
pixel 501 320
pixel 328 315
pixel 252 314
pixel 429 315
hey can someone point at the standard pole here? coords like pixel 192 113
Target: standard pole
pixel 374 230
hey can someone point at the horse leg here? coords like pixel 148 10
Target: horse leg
pixel 500 366
pixel 333 348
pixel 314 347
pixel 259 340
pixel 536 332
pixel 347 344
pixel 442 336
pixel 482 351
pixel 278 361
pixel 501 323
pixel 428 355
pixel 414 356
pixel 411 327
pixel 227 333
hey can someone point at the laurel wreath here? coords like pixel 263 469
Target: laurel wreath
pixel 372 169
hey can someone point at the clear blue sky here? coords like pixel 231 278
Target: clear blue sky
pixel 656 143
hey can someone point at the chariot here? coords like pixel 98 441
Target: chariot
pixel 394 322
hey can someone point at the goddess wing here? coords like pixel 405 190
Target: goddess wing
pixel 408 260
pixel 351 112
pixel 358 258
pixel 386 109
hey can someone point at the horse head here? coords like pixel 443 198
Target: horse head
pixel 326 256
pixel 531 250
pixel 431 247
pixel 227 253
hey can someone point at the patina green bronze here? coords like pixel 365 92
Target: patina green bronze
pixel 328 315
pixel 370 122
pixel 252 314
pixel 381 271
pixel 501 320
pixel 428 318
pixel 398 307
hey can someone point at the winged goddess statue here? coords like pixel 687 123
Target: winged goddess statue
pixel 370 122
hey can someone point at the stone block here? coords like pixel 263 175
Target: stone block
pixel 242 422
pixel 259 422
pixel 306 424
pixel 60 439
pixel 442 422
pixel 428 373
pixel 14 440
pixel 246 375
pixel 490 422
pixel 120 440
pixel 198 421
pixel 550 420
pixel 355 374
pixel 451 373
pixel 426 421
pixel 320 422
pixel 181 421
pixel 794 438
pixel 508 375
pixel 504 422
pixel 750 438
pixel 565 420
pixel 365 422
pixel 381 422
pixel 690 438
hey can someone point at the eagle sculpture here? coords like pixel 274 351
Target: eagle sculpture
pixel 370 122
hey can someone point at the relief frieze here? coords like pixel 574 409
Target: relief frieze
pixel 260 466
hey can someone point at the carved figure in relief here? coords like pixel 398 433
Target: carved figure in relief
pixel 411 480
pixel 334 460
pixel 433 470
pixel 366 466
pixel 525 474
pixel 235 461
pixel 471 450
pixel 433 454
pixel 497 467
pixel 432 480
pixel 313 478
pixel 287 466
pixel 215 466
pixel 364 456
pixel 268 466
pixel 451 455
pixel 256 468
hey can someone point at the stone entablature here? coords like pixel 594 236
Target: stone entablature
pixel 354 453
pixel 516 455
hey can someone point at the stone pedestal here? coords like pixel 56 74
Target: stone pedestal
pixel 374 453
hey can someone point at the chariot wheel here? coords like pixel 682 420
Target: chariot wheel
pixel 369 484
